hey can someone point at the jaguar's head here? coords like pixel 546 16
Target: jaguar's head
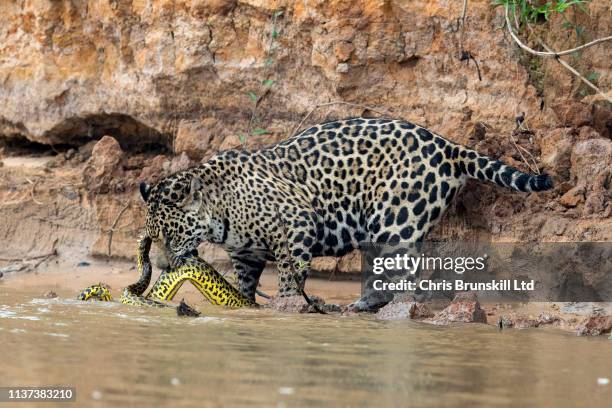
pixel 176 218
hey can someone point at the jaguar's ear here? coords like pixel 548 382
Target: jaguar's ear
pixel 193 200
pixel 145 190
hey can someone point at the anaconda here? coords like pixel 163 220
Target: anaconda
pixel 204 277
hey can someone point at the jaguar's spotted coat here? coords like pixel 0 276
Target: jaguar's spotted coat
pixel 332 186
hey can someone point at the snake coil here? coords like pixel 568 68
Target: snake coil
pixel 202 275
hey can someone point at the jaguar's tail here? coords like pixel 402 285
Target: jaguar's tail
pixel 481 167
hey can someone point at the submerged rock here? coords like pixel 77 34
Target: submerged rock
pixel 595 326
pixel 522 321
pixel 297 304
pixel 50 295
pixel 404 309
pixel 183 309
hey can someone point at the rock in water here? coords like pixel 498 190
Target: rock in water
pixel 465 308
pixel 595 325
pixel 404 309
pixel 185 310
pixel 298 304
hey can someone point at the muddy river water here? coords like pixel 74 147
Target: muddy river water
pixel 116 356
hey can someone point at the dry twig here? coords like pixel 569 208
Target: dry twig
pixel 254 111
pixel 113 226
pixel 30 258
pixel 462 23
pixel 267 88
pixel 551 53
pixel 557 55
pixel 14 202
pixel 518 149
pixel 23 262
pixel 465 55
pixel 23 197
pixel 573 71
pixel 32 191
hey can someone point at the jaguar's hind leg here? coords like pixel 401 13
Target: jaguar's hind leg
pixel 391 231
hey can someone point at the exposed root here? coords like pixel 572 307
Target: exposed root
pixel 518 148
pixel 32 191
pixel 550 53
pixel 557 55
pixel 465 55
pixel 30 258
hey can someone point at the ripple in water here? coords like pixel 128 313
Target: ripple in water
pixel 56 334
pixel 8 314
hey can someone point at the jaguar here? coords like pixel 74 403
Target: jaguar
pixel 321 192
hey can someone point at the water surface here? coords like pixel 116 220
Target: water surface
pixel 117 355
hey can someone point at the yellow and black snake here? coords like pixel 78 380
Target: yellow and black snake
pixel 203 276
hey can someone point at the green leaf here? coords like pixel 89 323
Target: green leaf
pixel 253 97
pixel 274 33
pixel 278 13
pixel 267 82
pixel 242 137
pixel 259 131
pixel 524 8
pixel 593 76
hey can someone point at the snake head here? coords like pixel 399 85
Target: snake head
pixel 96 292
